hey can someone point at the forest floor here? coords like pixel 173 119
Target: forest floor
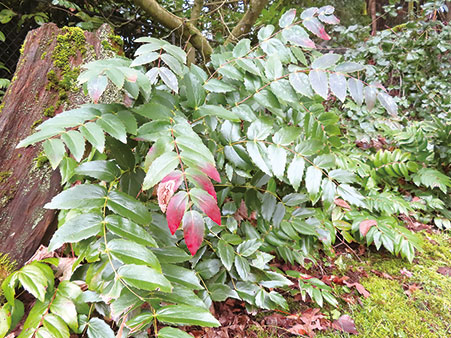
pixel 379 296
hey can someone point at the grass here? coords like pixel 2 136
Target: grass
pixel 389 311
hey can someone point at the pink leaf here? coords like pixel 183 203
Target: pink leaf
pixel 167 187
pixel 211 171
pixel 201 181
pixel 96 86
pixel 366 225
pixel 193 230
pixel 345 324
pixel 316 27
pixel 176 209
pixel 330 19
pixel 207 204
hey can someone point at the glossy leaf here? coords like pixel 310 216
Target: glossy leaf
pixel 125 228
pixel 75 142
pixel 186 315
pixel 201 180
pixel 130 252
pixel 319 82
pixel 313 180
pixel 326 61
pixel 55 151
pixel 296 171
pixel 82 196
pixel 356 90
pixel 207 204
pixel 97 328
pixel 301 83
pixel 193 230
pixel 176 210
pixel 167 187
pixel 338 85
pixel 94 134
pixel 129 207
pixel 102 170
pixel 161 167
pixel 96 87
pixel 226 254
pixel 145 278
pixel 113 126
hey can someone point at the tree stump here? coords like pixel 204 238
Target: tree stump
pixel 44 84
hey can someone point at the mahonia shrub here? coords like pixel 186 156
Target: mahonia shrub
pixel 185 193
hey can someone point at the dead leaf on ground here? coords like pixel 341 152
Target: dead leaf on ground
pixel 360 288
pixel 41 253
pixel 366 225
pixel 444 270
pixel 412 288
pixel 345 324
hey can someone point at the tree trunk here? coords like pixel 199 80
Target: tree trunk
pixel 44 84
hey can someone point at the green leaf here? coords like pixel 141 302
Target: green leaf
pixel 40 136
pixel 144 278
pixel 5 321
pixel 226 254
pixel 102 170
pixel 129 207
pixel 268 206
pixel 82 196
pixel 113 126
pixel 319 82
pixel 169 78
pixel 56 326
pixel 296 171
pixel 388 102
pixel 182 276
pixel 287 18
pixel 116 77
pixel 76 229
pixel 172 63
pixel 356 89
pixel 242 267
pixel 301 83
pixel 125 228
pixel 278 158
pixel 249 247
pixel 351 195
pixel 171 255
pixel 129 121
pixel 55 151
pixel 349 67
pixel 34 280
pixel 259 130
pixel 94 134
pixel 220 292
pixel 97 328
pixel 171 332
pixel 75 142
pixel 326 61
pixel 313 180
pixel 242 48
pixel 130 252
pixel 218 111
pixel 159 168
pixel 217 86
pixel 65 309
pixel 273 67
pixel 256 151
pixel 186 315
pixel 121 153
pixel 338 85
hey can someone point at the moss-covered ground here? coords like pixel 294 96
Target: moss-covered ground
pixel 406 299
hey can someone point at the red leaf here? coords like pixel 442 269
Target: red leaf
pixel 345 324
pixel 366 225
pixel 360 288
pixel 211 171
pixel 201 180
pixel 167 187
pixel 316 27
pixel 207 204
pixel 342 203
pixel 193 230
pixel 176 209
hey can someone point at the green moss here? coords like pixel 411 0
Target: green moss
pixel 40 160
pixel 4 175
pixel 49 112
pixel 37 123
pixel 43 55
pixel 389 311
pixel 2 105
pixel 6 267
pixel 68 46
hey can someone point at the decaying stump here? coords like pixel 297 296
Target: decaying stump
pixel 44 84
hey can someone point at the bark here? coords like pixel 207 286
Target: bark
pixel 196 10
pixel 26 185
pixel 372 10
pixel 182 26
pixel 247 21
pixel 448 14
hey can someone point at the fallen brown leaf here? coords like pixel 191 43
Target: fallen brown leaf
pixel 444 270
pixel 360 288
pixel 366 225
pixel 345 324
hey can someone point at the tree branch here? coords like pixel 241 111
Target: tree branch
pixel 196 10
pixel 247 21
pixel 182 26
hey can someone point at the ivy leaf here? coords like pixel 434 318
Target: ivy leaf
pixel 65 308
pixel 144 278
pixel 176 210
pixel 186 315
pixel 287 18
pixel 319 82
pixel 34 280
pixel 193 230
pixel 338 85
pixel 76 229
pixel 96 86
pixel 159 168
pixel 55 151
pixel 206 203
